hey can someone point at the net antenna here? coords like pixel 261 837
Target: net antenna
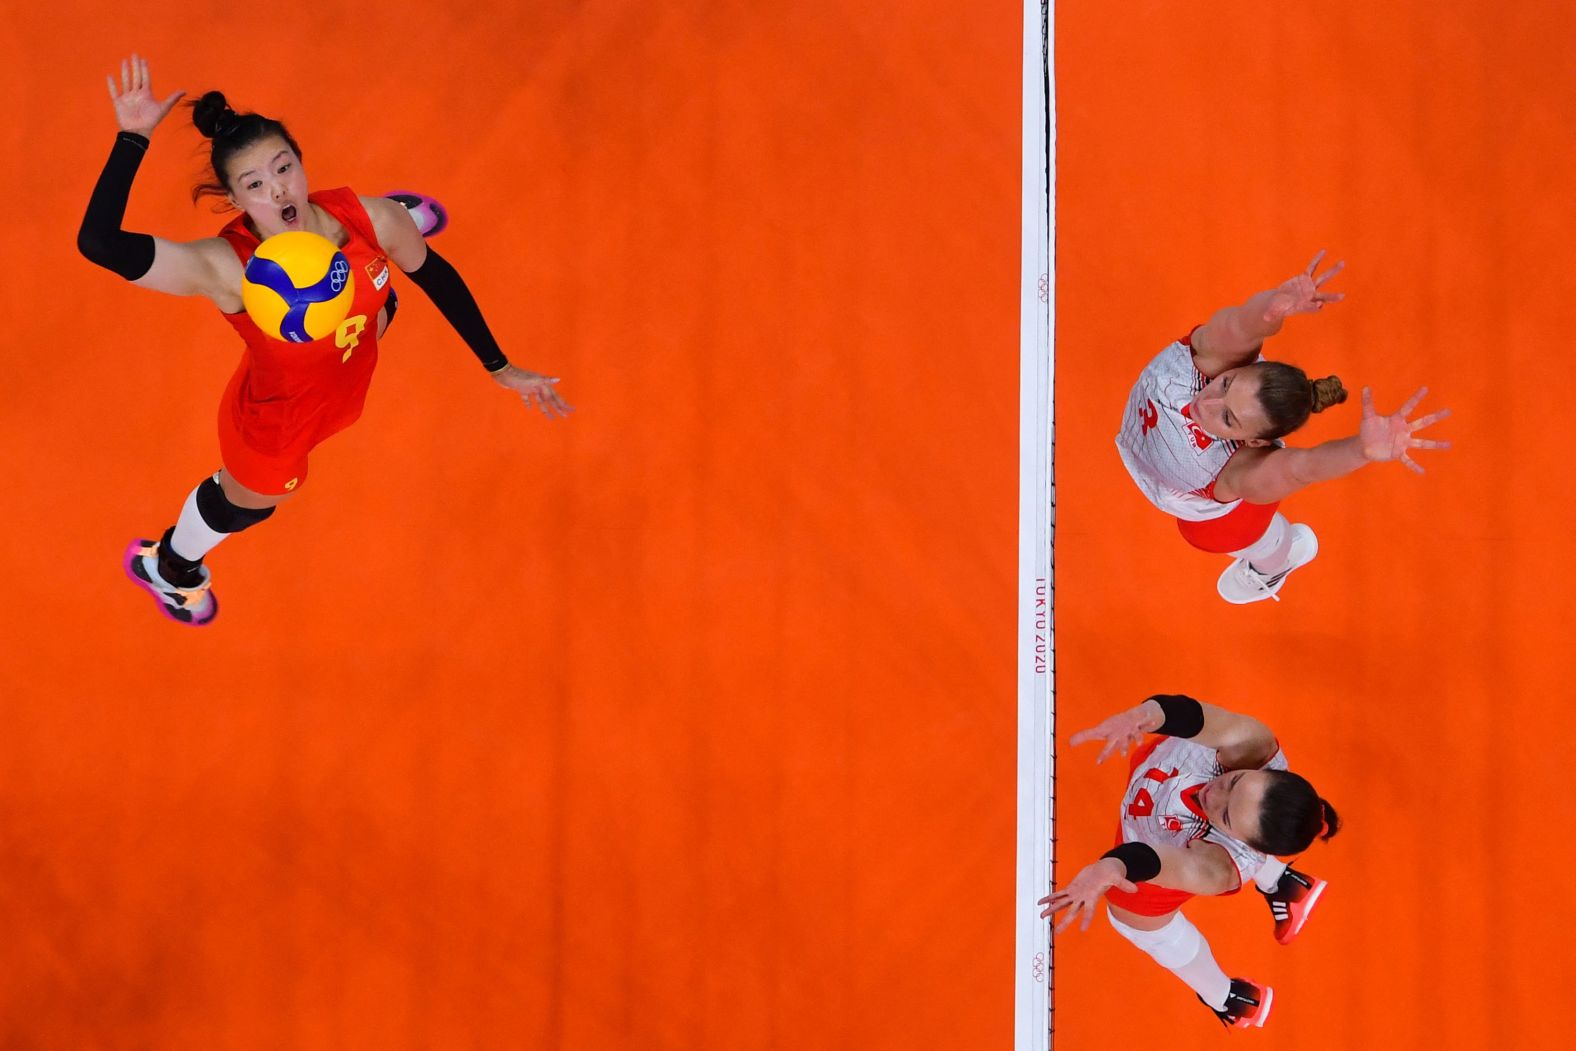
pixel 1034 999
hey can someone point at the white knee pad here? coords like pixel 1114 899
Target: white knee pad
pixel 1268 544
pixel 1172 946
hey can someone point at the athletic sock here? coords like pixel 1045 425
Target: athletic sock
pixel 1182 950
pixel 1269 874
pixel 192 538
pixel 1271 553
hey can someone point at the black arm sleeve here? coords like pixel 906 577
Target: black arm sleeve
pixel 101 239
pixel 444 286
pixel 1184 715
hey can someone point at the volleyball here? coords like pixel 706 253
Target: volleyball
pixel 297 286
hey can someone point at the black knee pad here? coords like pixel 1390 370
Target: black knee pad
pixel 221 515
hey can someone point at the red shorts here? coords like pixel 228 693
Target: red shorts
pixel 262 452
pixel 1149 901
pixel 271 474
pixel 1233 531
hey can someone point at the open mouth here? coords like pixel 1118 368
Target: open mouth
pixel 288 213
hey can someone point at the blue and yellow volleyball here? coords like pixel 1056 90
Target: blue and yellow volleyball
pixel 297 286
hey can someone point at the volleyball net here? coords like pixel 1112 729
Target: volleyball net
pixel 1034 999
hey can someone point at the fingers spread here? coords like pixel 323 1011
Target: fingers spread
pixel 1337 268
pixel 1411 403
pixel 1433 417
pixel 1315 264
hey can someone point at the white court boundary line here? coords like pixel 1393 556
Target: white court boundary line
pixel 1034 1003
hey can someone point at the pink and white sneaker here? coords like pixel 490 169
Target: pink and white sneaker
pixel 194 606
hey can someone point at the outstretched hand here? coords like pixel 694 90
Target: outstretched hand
pixel 1302 295
pixel 1121 731
pixel 1390 437
pixel 1083 894
pixel 136 107
pixel 529 385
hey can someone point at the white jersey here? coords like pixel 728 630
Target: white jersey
pixel 1173 460
pixel 1161 805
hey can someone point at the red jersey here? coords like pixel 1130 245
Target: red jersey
pixel 287 397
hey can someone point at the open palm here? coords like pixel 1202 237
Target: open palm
pixel 136 107
pixel 1390 437
pixel 1304 294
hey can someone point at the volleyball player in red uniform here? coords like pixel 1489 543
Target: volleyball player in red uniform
pixel 1209 805
pixel 285 398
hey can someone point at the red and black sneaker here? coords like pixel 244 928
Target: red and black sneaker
pixel 1292 900
pixel 1247 1005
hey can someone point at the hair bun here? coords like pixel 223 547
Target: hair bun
pixel 1331 820
pixel 212 114
pixel 1327 392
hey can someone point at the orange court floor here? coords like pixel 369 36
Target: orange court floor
pixel 689 722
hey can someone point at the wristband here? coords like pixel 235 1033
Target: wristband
pixel 1184 717
pixel 1143 864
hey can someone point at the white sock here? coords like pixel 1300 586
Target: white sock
pixel 1182 950
pixel 1270 553
pixel 1269 874
pixel 193 539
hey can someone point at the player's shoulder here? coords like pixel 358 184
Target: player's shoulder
pixel 217 253
pixel 379 205
pixel 1173 360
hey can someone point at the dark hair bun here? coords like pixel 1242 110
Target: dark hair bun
pixel 1332 820
pixel 212 114
pixel 1327 392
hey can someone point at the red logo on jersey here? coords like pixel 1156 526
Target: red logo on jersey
pixel 1200 438
pixel 1173 824
pixel 378 271
pixel 1151 417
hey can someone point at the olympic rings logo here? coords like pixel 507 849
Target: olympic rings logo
pixel 338 273
pixel 1045 288
pixel 1038 968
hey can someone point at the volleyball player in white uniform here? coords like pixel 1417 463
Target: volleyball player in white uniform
pixel 1201 437
pixel 1208 805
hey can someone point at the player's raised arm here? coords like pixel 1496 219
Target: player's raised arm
pixel 177 268
pixel 1232 337
pixel 1266 475
pixel 1241 740
pixel 1203 868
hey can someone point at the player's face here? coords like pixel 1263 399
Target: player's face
pixel 1228 407
pixel 1231 801
pixel 267 183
